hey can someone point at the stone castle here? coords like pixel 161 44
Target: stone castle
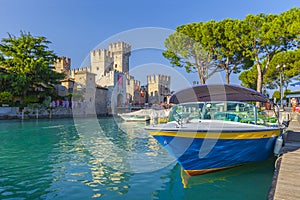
pixel 107 80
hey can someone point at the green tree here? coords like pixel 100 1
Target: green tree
pixel 26 63
pixel 6 80
pixel 207 48
pixel 276 95
pixel 285 64
pixel 184 49
pixel 286 92
pixel 263 36
pixel 227 52
pixel 248 78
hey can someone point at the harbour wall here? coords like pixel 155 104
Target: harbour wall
pixel 7 113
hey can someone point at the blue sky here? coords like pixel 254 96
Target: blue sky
pixel 78 26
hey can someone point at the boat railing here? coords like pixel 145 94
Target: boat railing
pixel 227 111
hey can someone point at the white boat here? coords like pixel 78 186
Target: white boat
pixel 138 116
pixel 144 115
pixel 212 127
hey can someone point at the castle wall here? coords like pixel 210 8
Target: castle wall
pixel 121 52
pixel 107 80
pixel 101 101
pixel 107 83
pixel 85 84
pixel 158 87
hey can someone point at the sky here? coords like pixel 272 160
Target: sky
pixel 78 26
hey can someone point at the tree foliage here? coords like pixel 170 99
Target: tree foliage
pixel 183 50
pixel 5 97
pixel 285 64
pixel 207 48
pixel 276 95
pixel 26 64
pixel 264 36
pixel 231 45
pixel 248 78
pixel 227 52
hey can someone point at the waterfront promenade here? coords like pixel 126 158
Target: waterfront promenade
pixel 286 181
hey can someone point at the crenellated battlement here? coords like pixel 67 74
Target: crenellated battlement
pixel 137 83
pixel 77 70
pixel 63 60
pixel 102 53
pixel 119 47
pixel 159 79
pixel 62 64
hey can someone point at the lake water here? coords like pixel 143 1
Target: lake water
pixel 108 159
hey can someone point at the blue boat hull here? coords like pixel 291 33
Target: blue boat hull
pixel 203 155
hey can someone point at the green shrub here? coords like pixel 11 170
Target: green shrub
pixel 46 102
pixel 31 99
pixel 34 105
pixel 6 97
pixel 26 112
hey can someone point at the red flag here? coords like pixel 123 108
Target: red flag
pixel 120 80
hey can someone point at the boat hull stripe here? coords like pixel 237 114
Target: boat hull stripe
pixel 219 135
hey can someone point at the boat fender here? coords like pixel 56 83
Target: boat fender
pixel 278 145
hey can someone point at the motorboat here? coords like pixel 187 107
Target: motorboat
pixel 136 116
pixel 144 115
pixel 215 127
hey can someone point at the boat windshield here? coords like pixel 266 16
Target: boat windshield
pixel 227 111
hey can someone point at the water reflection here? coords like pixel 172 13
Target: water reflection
pixel 124 146
pixel 119 151
pixel 250 180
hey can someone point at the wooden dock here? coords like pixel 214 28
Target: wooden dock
pixel 286 181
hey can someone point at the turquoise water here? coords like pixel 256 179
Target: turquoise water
pixel 60 159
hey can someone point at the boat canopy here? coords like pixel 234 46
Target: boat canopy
pixel 218 92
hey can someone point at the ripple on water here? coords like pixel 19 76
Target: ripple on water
pixel 51 160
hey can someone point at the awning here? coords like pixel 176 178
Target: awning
pixel 295 84
pixel 292 95
pixel 220 92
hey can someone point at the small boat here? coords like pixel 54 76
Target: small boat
pixel 145 115
pixel 136 116
pixel 215 127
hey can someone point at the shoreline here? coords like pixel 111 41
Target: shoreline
pixel 14 113
pixel 29 117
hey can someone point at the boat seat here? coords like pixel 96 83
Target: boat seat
pixel 227 116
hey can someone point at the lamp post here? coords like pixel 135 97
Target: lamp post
pixel 280 79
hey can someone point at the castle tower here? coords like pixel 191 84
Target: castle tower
pixel 121 52
pixel 101 62
pixel 158 88
pixel 63 65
